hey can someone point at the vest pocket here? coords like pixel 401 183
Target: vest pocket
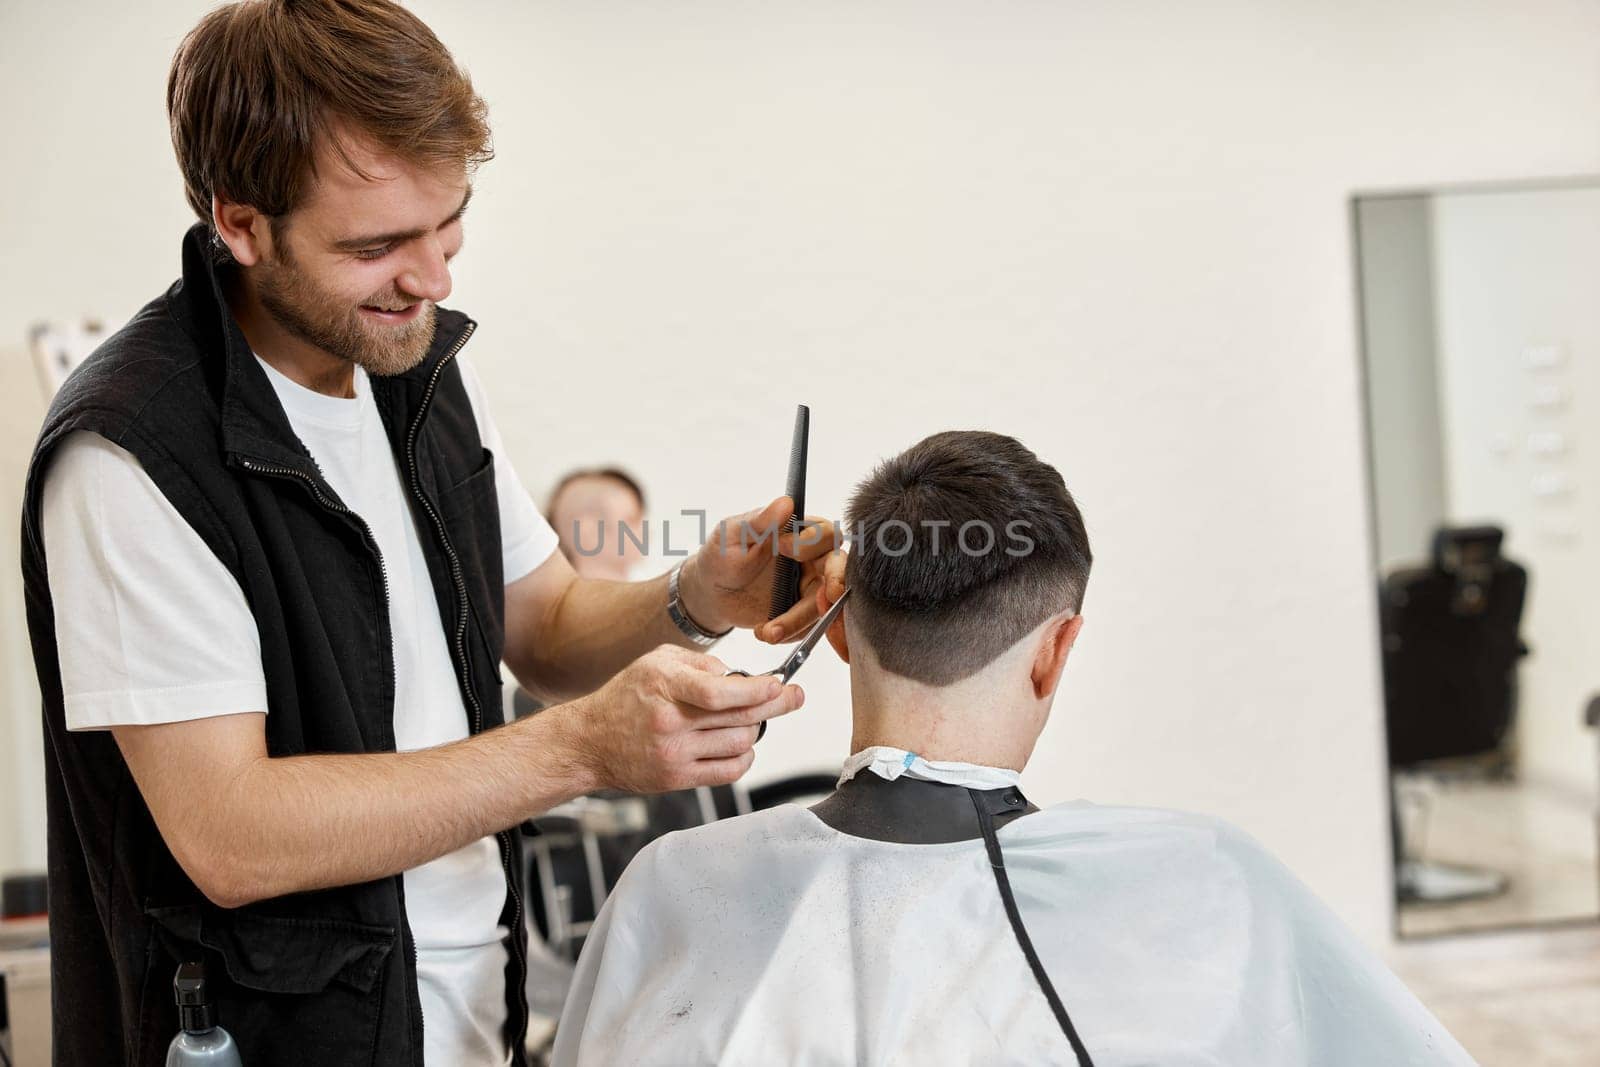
pixel 482 471
pixel 290 990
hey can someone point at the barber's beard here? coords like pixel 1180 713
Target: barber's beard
pixel 297 304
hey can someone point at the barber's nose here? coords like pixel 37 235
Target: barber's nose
pixel 428 274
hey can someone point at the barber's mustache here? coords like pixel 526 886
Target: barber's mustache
pixel 393 300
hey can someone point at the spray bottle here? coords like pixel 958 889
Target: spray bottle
pixel 201 1042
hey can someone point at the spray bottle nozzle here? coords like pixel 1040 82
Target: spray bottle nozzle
pixel 194 998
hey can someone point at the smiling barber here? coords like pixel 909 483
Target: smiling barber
pixel 274 555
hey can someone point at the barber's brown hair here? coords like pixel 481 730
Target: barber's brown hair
pixel 258 86
pixel 959 546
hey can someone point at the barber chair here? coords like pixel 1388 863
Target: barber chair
pixel 566 872
pixel 578 850
pixel 1450 652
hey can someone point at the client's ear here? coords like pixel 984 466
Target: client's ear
pixel 836 636
pixel 1051 658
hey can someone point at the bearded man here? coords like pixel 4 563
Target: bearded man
pixel 274 556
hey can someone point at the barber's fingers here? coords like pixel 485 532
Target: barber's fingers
pixel 792 624
pixel 703 687
pixel 836 634
pixel 815 538
pixel 833 576
pixel 701 661
pixel 723 771
pixel 763 519
pixel 826 573
pixel 722 743
pixel 791 698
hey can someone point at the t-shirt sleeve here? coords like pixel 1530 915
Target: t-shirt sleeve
pixel 527 540
pixel 151 627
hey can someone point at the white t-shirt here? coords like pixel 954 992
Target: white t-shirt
pixel 155 629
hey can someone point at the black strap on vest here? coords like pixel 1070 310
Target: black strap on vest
pixel 1010 799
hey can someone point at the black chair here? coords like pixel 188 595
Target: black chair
pixel 1451 646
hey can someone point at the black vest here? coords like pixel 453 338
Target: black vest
pixel 324 977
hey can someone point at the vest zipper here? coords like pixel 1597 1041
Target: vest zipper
pixel 383 569
pixel 333 505
pixel 462 611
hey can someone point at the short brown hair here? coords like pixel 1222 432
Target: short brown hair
pixel 256 87
pixel 936 603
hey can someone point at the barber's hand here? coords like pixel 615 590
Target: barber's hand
pixel 829 590
pixel 729 581
pixel 670 720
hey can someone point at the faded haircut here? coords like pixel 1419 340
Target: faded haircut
pixel 960 545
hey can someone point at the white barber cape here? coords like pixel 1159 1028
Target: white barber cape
pixel 1171 940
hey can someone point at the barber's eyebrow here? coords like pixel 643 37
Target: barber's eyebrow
pixel 356 244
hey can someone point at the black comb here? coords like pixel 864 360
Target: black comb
pixel 786 578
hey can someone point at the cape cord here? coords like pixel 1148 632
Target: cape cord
pixel 997 863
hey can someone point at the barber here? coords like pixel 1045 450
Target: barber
pixel 274 555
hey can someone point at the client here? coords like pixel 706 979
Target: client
pixel 926 912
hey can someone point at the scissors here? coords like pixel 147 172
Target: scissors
pixel 796 659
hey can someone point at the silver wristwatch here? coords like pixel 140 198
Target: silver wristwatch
pixel 680 618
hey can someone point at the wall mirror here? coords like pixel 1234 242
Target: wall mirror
pixel 1480 321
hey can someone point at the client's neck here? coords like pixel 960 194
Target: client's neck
pixel 991 718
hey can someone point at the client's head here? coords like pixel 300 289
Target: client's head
pixel 967 567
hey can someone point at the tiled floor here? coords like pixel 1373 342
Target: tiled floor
pixel 1528 998
pixel 1513 999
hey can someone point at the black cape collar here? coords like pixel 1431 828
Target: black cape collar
pixel 911 811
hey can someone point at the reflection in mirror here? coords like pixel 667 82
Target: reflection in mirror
pixel 1481 332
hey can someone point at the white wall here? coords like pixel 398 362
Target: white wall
pixel 22 842
pixel 1117 230
pixel 1519 357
